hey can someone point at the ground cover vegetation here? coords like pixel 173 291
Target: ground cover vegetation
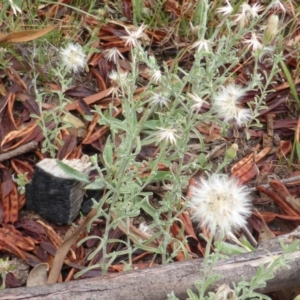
pixel 189 112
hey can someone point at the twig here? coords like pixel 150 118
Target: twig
pixel 21 150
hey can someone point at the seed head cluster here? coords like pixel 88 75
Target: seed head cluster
pixel 167 134
pixel 227 105
pixel 133 37
pixel 73 57
pixel 220 204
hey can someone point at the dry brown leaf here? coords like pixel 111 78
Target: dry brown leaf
pixel 15 134
pixel 283 205
pixel 38 275
pixel 90 99
pixel 26 35
pixel 15 77
pixel 265 233
pixel 295 202
pixel 64 248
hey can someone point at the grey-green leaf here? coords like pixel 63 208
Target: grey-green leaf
pixel 73 173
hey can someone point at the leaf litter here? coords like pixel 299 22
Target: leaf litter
pixel 260 162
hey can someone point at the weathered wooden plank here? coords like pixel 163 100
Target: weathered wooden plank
pixel 155 283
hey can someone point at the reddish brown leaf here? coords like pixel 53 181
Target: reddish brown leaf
pixel 15 77
pixel 286 85
pixel 127 9
pixel 22 201
pixel 283 205
pixel 91 128
pixel 245 170
pixel 268 165
pixel 79 92
pixel 272 105
pixel 14 205
pixel 6 124
pixel 12 281
pixel 141 256
pixel 1 213
pixel 11 236
pixel 101 83
pixel 10 114
pixel 79 250
pixel 69 143
pixel 42 253
pixel 297 132
pixel 48 247
pixel 76 153
pixel 175 231
pixel 11 248
pixel 173 7
pixel 51 234
pixel 95 231
pixel 189 230
pixel 245 173
pixel 103 130
pixel 245 161
pixel 6 186
pixel 255 221
pixel 32 132
pixel 91 99
pixel 30 103
pixel 6 209
pixel 31 226
pixel 22 167
pixel 70 275
pixel 279 188
pixel 32 260
pixel 283 149
pixel 13 135
pixel 270 216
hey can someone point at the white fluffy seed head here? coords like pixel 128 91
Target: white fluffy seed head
pixel 156 76
pixel 227 106
pixel 225 10
pixel 167 134
pixel 247 12
pixel 253 43
pixel 220 204
pixel 16 9
pixel 73 57
pixel 159 99
pixel 134 36
pixel 113 54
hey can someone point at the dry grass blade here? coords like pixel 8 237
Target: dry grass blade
pixel 26 35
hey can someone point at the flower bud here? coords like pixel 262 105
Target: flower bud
pixel 271 29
